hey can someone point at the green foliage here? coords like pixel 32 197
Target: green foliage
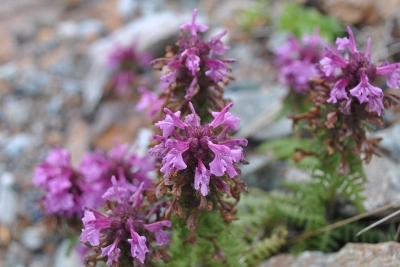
pixel 211 228
pixel 284 148
pixel 299 21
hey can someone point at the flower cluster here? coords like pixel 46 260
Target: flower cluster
pixel 198 157
pixel 129 229
pixel 298 61
pixel 99 167
pixel 68 189
pixel 347 102
pixel 194 69
pixel 149 102
pixel 127 63
pixel 353 74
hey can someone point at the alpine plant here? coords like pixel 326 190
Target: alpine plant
pixel 193 70
pixel 347 101
pixel 199 162
pixel 131 233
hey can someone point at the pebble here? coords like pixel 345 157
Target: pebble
pixel 90 28
pixel 32 237
pixel 66 257
pixel 19 143
pixel 8 199
pixel 17 111
pixel 390 140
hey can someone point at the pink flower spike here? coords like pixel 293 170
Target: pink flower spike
pixel 177 122
pixel 192 90
pixel 193 118
pixel 216 44
pixel 392 72
pixel 160 235
pixel 112 252
pixel 352 41
pixel 93 226
pixel 192 61
pixel 173 160
pixel 342 43
pixel 138 245
pixel 193 26
pixel 219 117
pixel 234 142
pixel 168 124
pixel 331 62
pixel 229 120
pixel 364 90
pixel 217 70
pixel 223 160
pixel 338 91
pixel 201 178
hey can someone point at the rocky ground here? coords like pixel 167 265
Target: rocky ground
pixel 52 80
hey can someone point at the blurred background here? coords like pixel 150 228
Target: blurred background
pixel 57 89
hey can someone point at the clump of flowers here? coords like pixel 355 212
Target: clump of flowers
pixel 199 161
pixel 149 102
pixel 99 166
pixel 354 102
pixel 67 189
pixel 193 71
pixel 127 64
pixel 297 61
pixel 131 233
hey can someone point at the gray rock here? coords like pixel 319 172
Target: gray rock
pixel 19 143
pixel 55 104
pixel 8 199
pixel 65 257
pixel 390 140
pixel 383 183
pixel 263 172
pixel 265 105
pixel 67 30
pixel 90 27
pixel 365 255
pixel 31 81
pixel 32 237
pixel 277 129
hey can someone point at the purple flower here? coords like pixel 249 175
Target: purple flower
pixel 160 234
pixel 111 252
pixel 126 226
pixel 216 70
pixel 99 167
pixel 297 61
pixel 197 150
pixel 339 91
pixel 194 26
pixel 392 72
pixel 66 188
pixel 195 58
pixel 94 222
pixel 353 74
pixel 149 101
pixel 192 61
pixel 216 45
pixel 364 91
pixel 126 63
